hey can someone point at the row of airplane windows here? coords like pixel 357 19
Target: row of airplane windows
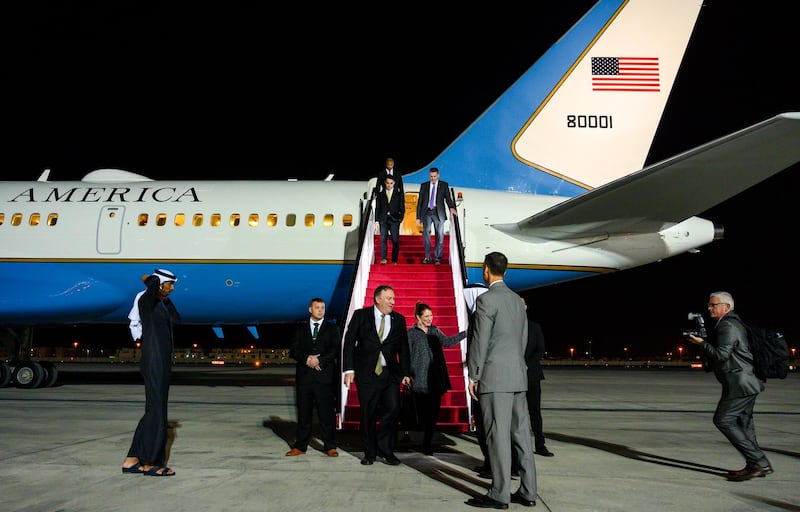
pixel 197 219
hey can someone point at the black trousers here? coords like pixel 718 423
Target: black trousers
pixel 323 397
pixel 380 410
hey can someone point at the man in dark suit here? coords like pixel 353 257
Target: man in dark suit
pixel 376 356
pixel 498 380
pixel 390 208
pixel 732 361
pixel 388 171
pixel 433 196
pixel 533 356
pixel 315 347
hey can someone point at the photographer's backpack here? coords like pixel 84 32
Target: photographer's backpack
pixel 770 352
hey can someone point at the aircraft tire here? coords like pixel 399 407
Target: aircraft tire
pixel 28 375
pixel 50 374
pixel 5 374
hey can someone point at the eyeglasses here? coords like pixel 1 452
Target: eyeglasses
pixel 713 304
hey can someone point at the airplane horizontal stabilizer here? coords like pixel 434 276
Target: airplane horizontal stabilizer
pixel 675 189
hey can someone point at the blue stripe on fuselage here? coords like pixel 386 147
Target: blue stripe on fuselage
pixel 207 293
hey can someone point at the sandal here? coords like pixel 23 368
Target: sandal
pixel 135 469
pixel 159 471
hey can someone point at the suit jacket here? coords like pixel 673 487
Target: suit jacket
pixel 443 197
pixel 394 209
pixel 362 345
pixel 730 358
pixel 326 345
pixel 534 351
pixel 497 350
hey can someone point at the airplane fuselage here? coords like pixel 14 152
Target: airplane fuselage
pixel 247 252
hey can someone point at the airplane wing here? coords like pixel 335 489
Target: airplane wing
pixel 675 189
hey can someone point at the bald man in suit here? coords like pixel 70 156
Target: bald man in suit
pixel 498 380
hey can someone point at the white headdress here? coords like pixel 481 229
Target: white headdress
pixel 165 275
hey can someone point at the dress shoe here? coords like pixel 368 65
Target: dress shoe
pixel 485 473
pixel 426 260
pixel 391 460
pixel 437 262
pixel 332 452
pixel 748 473
pixel 384 262
pixel 544 452
pixel 367 461
pixel 516 498
pixel 486 502
pixel 294 452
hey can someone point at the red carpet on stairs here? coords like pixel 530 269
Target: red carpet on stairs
pixel 432 284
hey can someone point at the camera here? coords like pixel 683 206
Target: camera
pixel 700 324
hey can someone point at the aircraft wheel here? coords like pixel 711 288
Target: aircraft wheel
pixel 50 374
pixel 5 374
pixel 28 375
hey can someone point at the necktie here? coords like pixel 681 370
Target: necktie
pixel 316 330
pixel 432 200
pixel 389 196
pixel 378 365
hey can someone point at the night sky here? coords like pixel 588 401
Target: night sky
pixel 250 91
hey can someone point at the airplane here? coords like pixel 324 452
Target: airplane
pixel 551 174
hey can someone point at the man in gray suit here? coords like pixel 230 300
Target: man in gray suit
pixel 730 357
pixel 498 380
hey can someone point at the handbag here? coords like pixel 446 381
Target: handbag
pixel 409 416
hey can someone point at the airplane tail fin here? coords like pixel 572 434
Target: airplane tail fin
pixel 585 113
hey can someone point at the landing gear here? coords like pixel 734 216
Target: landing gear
pixel 28 375
pixel 20 369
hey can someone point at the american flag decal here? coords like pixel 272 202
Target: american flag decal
pixel 625 74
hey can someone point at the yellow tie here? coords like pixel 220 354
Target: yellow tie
pixel 389 196
pixel 378 365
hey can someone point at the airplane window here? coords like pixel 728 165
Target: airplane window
pixel 16 219
pixel 161 219
pixel 328 220
pixel 142 219
pixel 180 219
pixel 309 220
pixel 235 218
pixel 35 218
pixel 2 218
pixel 253 219
pixel 197 220
pixel 347 219
pixel 216 219
pixel 272 220
pixel 291 219
pixel 52 219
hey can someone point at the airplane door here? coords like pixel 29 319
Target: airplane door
pixel 109 230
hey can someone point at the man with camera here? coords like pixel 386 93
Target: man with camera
pixel 731 360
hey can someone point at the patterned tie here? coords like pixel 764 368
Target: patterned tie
pixel 432 200
pixel 316 330
pixel 378 365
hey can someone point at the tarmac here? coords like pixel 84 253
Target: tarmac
pixel 624 440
